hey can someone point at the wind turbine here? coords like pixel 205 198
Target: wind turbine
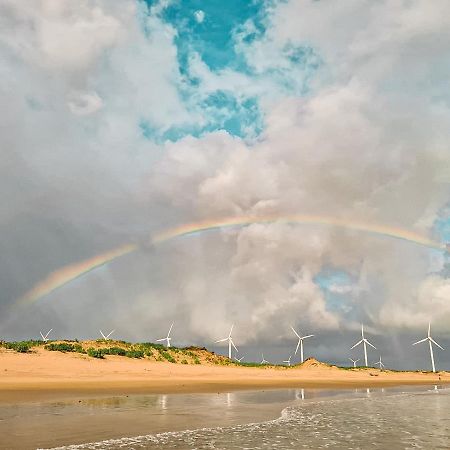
pixel 168 338
pixel 45 338
pixel 354 361
pixel 230 342
pixel 430 342
pixel 288 361
pixel 365 342
pixel 239 359
pixel 107 336
pixel 300 343
pixel 380 363
pixel 263 361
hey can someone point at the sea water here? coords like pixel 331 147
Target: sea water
pixel 382 419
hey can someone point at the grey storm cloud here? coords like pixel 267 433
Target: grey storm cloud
pixel 368 142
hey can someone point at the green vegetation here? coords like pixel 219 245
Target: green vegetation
pixel 64 347
pixel 114 351
pixel 20 347
pixel 250 364
pixel 95 352
pixel 134 354
pixel 167 356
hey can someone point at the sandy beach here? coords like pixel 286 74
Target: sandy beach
pixel 45 375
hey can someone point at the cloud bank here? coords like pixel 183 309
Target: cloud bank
pixel 108 135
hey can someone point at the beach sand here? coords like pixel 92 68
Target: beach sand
pixel 44 375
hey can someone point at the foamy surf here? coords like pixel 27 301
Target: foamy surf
pixel 383 421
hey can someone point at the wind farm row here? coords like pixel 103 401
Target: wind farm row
pixel 233 350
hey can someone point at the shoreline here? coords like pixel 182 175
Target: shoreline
pixel 41 392
pixel 45 375
pixel 96 420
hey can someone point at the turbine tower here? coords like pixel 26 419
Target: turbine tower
pixel 380 363
pixel 108 335
pixel 430 342
pixel 365 342
pixel 300 343
pixel 167 338
pixel 354 361
pixel 45 337
pixel 229 339
pixel 288 361
pixel 263 360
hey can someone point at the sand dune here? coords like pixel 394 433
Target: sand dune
pixel 43 374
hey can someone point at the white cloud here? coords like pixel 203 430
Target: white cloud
pixel 369 143
pixel 199 16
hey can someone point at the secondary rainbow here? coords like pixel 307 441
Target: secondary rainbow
pixel 66 274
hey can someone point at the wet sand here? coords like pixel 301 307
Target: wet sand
pixel 60 423
pixel 57 423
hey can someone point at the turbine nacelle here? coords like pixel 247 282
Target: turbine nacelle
pixel 430 341
pixel 354 361
pixel 380 364
pixel 108 335
pixel 365 343
pixel 45 337
pixel 229 339
pixel 167 338
pixel 300 342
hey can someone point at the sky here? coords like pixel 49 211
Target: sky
pixel 123 118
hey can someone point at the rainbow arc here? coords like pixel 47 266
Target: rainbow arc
pixel 66 274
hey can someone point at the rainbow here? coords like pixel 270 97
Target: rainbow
pixel 66 274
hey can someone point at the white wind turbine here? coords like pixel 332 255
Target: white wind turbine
pixel 380 363
pixel 229 339
pixel 354 361
pixel 239 359
pixel 167 338
pixel 108 335
pixel 430 342
pixel 45 337
pixel 288 361
pixel 300 343
pixel 263 361
pixel 365 342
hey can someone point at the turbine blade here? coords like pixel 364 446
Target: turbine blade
pixel 170 329
pixel 359 342
pixel 429 329
pixel 373 346
pixel 222 340
pixel 232 343
pixel 419 342
pixel 292 328
pixel 306 337
pixel 435 343
pixel 298 345
pixel 101 332
pixel 231 330
pixel 43 338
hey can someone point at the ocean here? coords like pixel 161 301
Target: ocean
pixel 361 419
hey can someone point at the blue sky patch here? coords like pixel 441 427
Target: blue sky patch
pixel 336 286
pixel 210 31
